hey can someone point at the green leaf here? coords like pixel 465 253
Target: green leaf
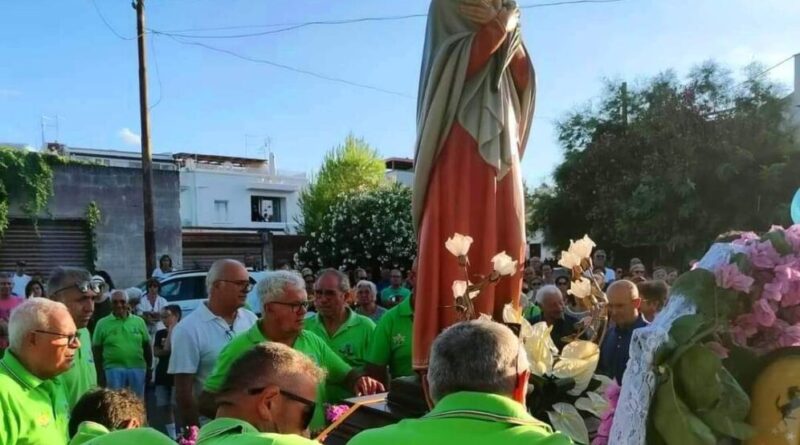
pixel 697 374
pixel 743 365
pixel 734 403
pixel 742 262
pixel 696 285
pixel 675 422
pixel 724 425
pixel 778 241
pixel 686 327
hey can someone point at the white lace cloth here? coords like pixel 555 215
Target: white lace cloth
pixel 639 381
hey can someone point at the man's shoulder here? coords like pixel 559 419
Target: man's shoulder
pixel 363 322
pixel 273 439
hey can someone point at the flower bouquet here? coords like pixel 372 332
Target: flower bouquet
pixel 558 378
pixel 746 307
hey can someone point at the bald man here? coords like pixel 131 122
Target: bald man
pixel 623 312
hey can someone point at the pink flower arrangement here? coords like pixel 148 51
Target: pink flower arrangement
pixel 771 319
pixel 189 436
pixel 333 412
pixel 604 430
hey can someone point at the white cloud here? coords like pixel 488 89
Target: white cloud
pixel 129 137
pixel 6 93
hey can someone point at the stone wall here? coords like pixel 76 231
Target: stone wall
pixel 120 233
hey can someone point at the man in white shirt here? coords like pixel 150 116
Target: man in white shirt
pixel 600 261
pixel 20 280
pixel 198 338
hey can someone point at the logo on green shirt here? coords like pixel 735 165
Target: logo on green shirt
pixel 398 340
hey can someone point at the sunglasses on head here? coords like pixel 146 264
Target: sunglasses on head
pixel 83 286
pixel 310 405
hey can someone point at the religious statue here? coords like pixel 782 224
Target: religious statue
pixel 474 111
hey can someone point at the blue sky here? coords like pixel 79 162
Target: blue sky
pixel 58 58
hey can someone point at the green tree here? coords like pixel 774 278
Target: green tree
pixel 364 228
pixel 672 164
pixel 352 166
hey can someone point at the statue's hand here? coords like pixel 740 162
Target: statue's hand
pixel 479 11
pixel 509 17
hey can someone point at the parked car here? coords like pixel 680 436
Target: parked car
pixel 187 289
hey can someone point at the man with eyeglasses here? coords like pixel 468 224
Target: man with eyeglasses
pixel 269 397
pixel 74 288
pixel 200 336
pixel 599 260
pixel 344 330
pixel 284 306
pixel 477 381
pixel 122 347
pixel 43 341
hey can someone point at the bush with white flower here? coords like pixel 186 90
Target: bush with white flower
pixel 364 229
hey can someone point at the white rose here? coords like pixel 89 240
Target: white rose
pixel 583 247
pixel 503 264
pixel 569 260
pixel 459 244
pixel 581 288
pixel 460 289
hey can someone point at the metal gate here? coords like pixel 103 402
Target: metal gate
pixel 49 244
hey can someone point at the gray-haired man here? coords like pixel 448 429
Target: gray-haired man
pixel 75 289
pixel 268 397
pixel 200 336
pixel 477 379
pixel 42 344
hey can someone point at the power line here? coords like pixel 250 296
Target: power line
pixel 285 67
pixel 158 73
pixel 770 68
pixel 292 26
pixel 108 25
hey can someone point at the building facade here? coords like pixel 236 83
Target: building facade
pixel 233 207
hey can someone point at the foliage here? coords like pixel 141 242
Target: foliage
pixel 694 159
pixel 364 228
pixel 353 166
pixel 26 177
pixel 93 217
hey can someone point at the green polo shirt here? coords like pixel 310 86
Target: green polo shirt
pixel 83 375
pixel 91 433
pixel 307 342
pixel 391 342
pixel 467 418
pixel 122 340
pixel 389 292
pixel 350 342
pixel 227 431
pixel 32 411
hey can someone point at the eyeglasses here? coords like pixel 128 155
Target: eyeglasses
pixel 562 283
pixel 297 307
pixel 70 337
pixel 536 283
pixel 243 284
pixel 308 413
pixel 83 286
pixel 325 293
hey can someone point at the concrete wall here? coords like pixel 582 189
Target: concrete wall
pixel 120 234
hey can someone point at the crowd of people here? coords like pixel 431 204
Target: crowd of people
pixel 81 357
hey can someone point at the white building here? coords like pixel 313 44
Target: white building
pixel 400 170
pixel 224 192
pixel 794 99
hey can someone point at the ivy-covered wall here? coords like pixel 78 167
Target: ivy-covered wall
pixel 119 226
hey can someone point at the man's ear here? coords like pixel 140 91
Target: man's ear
pixel 265 401
pixel 637 303
pixel 423 375
pixel 521 387
pixel 131 424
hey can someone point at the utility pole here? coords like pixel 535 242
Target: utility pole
pixel 624 94
pixel 147 158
